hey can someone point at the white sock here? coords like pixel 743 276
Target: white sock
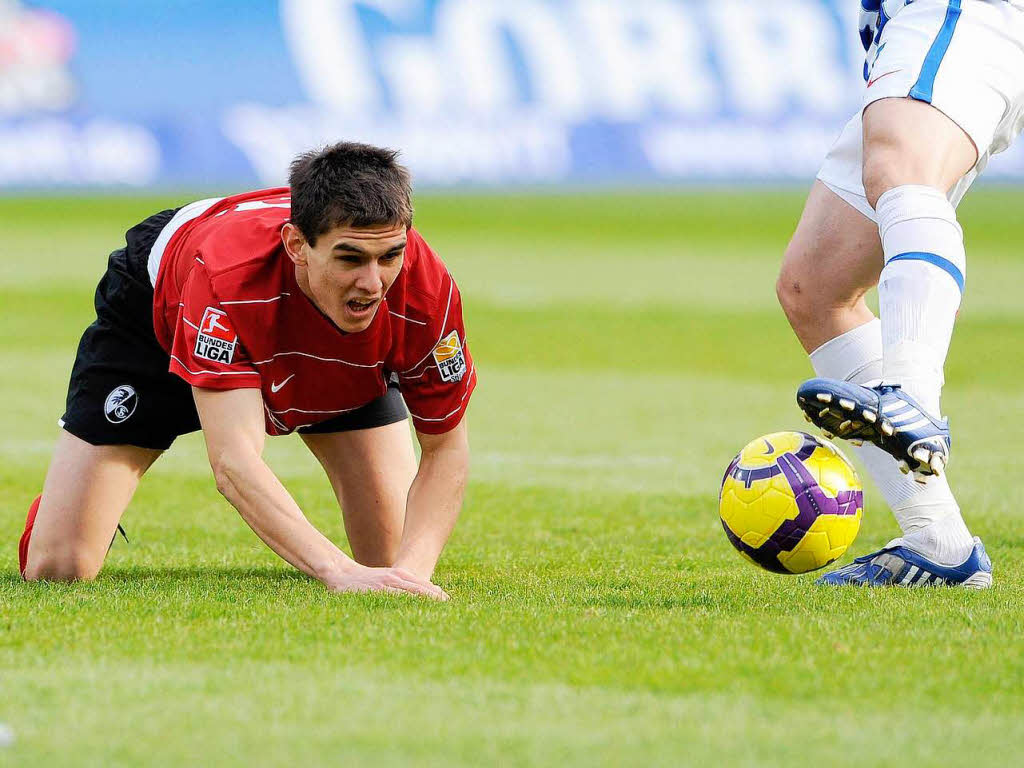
pixel 920 288
pixel 927 514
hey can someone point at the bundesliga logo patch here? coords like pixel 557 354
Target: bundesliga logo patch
pixel 449 358
pixel 216 339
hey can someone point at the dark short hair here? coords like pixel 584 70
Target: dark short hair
pixel 348 184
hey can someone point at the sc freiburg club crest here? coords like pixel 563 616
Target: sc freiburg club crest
pixel 120 404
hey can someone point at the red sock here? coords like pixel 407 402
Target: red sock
pixel 30 521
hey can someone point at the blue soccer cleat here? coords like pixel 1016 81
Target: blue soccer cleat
pixel 884 415
pixel 899 566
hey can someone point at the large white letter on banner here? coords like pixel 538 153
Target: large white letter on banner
pixel 329 49
pixel 778 55
pixel 472 32
pixel 647 55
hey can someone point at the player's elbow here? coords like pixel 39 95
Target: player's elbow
pixel 228 471
pixel 225 487
pixel 450 456
pixel 453 445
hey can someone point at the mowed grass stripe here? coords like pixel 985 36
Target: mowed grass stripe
pixel 515 723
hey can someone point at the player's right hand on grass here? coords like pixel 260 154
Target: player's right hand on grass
pixel 394 580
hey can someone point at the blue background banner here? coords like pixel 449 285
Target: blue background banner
pixel 186 92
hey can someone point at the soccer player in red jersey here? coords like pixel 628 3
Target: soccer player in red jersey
pixel 315 308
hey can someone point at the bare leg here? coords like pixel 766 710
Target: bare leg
pixel 371 471
pixel 910 142
pixel 835 256
pixel 833 260
pixel 86 490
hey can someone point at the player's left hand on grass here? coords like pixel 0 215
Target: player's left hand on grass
pixel 393 580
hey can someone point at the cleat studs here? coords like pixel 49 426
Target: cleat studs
pixel 808 419
pixel 827 434
pixel 904 467
pixel 822 413
pixel 937 464
pixel 869 417
pixel 857 441
pixel 846 405
pixel 824 397
pixel 887 429
pixel 845 425
pixel 922 455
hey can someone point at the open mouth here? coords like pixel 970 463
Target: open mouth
pixel 360 308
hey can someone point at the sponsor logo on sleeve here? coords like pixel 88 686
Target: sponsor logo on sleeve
pixel 216 339
pixel 449 358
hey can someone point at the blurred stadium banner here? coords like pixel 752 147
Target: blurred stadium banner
pixel 186 92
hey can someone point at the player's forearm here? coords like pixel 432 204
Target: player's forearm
pixel 435 500
pixel 267 507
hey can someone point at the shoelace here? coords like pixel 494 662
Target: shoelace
pixel 120 529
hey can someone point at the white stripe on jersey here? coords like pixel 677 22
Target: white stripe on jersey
pixel 185 215
pixel 418 322
pixel 322 359
pixel 257 301
pixel 273 419
pixel 419 375
pixel 215 373
pixel 444 323
pixel 467 379
pixel 303 410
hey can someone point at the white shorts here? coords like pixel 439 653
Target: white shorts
pixel 965 58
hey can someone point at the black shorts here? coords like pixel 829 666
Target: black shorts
pixel 121 391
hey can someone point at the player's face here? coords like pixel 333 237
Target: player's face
pixel 349 270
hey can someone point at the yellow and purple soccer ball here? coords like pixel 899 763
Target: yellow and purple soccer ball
pixel 791 502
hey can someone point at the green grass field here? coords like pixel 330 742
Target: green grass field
pixel 628 345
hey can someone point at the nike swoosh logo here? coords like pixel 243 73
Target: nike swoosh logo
pixel 875 80
pixel 771 448
pixel 275 387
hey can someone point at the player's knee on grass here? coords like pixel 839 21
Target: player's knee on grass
pixel 378 549
pixel 70 563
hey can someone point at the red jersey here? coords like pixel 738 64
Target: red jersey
pixel 229 312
